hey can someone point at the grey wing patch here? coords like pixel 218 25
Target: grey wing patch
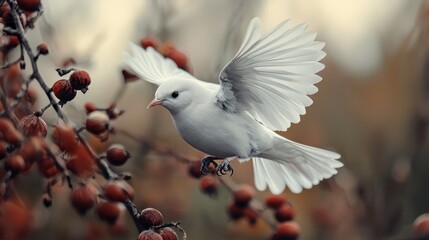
pixel 226 98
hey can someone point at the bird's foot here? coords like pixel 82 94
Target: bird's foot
pixel 225 167
pixel 205 165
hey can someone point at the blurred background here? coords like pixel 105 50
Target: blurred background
pixel 372 107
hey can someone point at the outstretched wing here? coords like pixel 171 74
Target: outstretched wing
pixel 271 77
pixel 151 66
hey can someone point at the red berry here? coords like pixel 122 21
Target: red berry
pixel 15 163
pixel 47 167
pixel 118 191
pixel 81 163
pixel 209 184
pixel 13 41
pixel 65 138
pixel 32 149
pixel 43 49
pixel 150 217
pixel 149 235
pixel 194 169
pixel 117 155
pixel 168 234
pixel 421 225
pixel 275 201
pixel 285 213
pixel 33 125
pixel 90 107
pixel 243 196
pixel 149 41
pixel 29 5
pixel 286 231
pixel 9 132
pixel 97 122
pixel 83 198
pixel 234 211
pixel 64 91
pixel 80 80
pixel 108 212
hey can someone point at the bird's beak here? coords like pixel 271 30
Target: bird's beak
pixel 155 102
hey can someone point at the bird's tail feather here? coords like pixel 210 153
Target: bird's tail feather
pixel 294 165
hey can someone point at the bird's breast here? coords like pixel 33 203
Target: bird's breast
pixel 214 132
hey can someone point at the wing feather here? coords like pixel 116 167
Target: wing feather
pixel 151 66
pixel 272 77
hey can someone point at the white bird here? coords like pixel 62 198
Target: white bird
pixel 263 89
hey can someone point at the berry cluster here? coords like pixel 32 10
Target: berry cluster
pixel 66 90
pixel 59 151
pixel 152 221
pixel 241 206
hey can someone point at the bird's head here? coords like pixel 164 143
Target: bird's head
pixel 175 95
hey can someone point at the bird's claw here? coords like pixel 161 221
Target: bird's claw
pixel 224 168
pixel 205 165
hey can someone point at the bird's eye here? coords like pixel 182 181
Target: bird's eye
pixel 175 94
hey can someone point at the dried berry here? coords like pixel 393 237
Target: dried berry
pixel 33 149
pixel 43 49
pixel 64 91
pixel 90 107
pixel 97 122
pixel 286 231
pixel 80 80
pixel 149 235
pixel 243 196
pixel 33 125
pixel 209 184
pixel 421 225
pixel 168 234
pixel 9 133
pixel 83 198
pixel 234 211
pixel 117 155
pixel 108 212
pixel 82 163
pixel 194 169
pixel 150 217
pixel 29 5
pixel 12 42
pixel 47 167
pixel 149 41
pixel 285 213
pixel 15 163
pixel 275 201
pixel 16 219
pixel 118 191
pixel 65 138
